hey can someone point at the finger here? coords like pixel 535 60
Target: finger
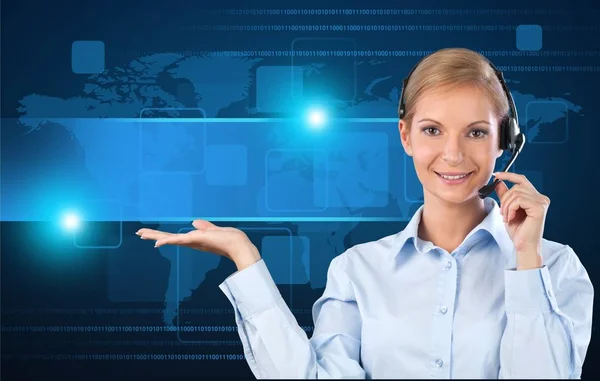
pixel 143 231
pixel 192 238
pixel 506 206
pixel 175 239
pixel 514 191
pixel 151 234
pixel 517 190
pixel 514 178
pixel 504 203
pixel 506 194
pixel 501 189
pixel 533 206
pixel 203 224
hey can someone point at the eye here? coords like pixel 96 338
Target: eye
pixel 478 134
pixel 430 131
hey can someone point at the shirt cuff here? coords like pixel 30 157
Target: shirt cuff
pixel 251 290
pixel 528 291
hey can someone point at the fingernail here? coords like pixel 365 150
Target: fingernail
pixel 494 174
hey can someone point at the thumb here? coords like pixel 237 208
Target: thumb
pixel 501 189
pixel 203 225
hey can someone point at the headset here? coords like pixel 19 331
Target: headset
pixel 511 137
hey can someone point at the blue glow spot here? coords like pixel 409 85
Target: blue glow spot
pixel 71 221
pixel 316 117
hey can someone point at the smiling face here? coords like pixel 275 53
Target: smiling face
pixel 453 140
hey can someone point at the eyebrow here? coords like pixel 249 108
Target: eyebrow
pixel 470 124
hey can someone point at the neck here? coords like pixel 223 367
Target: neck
pixel 447 224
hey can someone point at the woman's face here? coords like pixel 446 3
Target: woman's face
pixel 454 143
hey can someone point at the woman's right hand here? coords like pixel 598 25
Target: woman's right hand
pixel 226 241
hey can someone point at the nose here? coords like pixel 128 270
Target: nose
pixel 453 153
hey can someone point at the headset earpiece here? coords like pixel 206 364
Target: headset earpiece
pixel 509 133
pixel 401 106
pixel 505 134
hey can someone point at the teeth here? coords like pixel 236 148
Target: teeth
pixel 454 177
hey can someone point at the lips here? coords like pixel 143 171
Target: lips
pixel 454 178
pixel 453 175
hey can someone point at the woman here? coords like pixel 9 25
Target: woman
pixel 469 289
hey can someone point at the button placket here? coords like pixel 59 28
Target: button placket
pixel 443 323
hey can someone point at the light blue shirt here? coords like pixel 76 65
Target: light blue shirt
pixel 400 307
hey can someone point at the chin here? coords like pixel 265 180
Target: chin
pixel 454 197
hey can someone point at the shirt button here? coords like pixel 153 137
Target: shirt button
pixel 448 265
pixel 439 363
pixel 443 309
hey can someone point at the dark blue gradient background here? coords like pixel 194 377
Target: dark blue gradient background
pixel 47 281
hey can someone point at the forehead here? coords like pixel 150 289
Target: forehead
pixel 458 103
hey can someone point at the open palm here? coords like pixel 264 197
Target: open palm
pixel 225 241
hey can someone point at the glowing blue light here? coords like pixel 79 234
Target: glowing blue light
pixel 71 221
pixel 316 117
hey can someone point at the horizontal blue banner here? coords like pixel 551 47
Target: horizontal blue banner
pixel 167 169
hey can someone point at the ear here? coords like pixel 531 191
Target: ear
pixel 405 137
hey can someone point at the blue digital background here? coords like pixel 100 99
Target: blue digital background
pixel 135 115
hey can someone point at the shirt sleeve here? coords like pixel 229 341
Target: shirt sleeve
pixel 549 320
pixel 275 346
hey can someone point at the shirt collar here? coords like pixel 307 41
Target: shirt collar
pixel 492 224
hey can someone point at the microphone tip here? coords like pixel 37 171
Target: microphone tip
pixel 486 190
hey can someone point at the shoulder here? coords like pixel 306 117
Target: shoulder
pixel 368 254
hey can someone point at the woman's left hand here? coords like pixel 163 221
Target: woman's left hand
pixel 524 212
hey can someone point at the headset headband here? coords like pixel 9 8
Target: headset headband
pixel 512 109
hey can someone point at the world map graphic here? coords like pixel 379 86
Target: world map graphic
pixel 219 85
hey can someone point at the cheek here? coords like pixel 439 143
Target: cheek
pixel 485 157
pixel 424 155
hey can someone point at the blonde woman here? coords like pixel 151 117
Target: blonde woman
pixel 469 289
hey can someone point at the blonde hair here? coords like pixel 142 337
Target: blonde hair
pixel 450 68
